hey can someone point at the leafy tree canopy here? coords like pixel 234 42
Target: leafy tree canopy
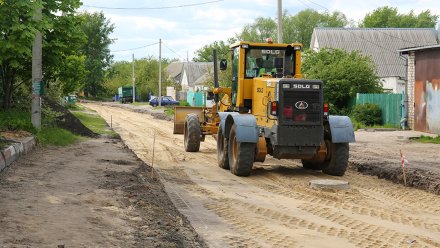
pixel 296 28
pixel 299 27
pixel 389 17
pixel 97 28
pixel 344 74
pixel 147 76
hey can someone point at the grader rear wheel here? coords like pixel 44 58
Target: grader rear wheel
pixel 338 162
pixel 222 150
pixel 241 155
pixel 192 133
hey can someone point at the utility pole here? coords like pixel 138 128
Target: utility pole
pixel 280 21
pixel 37 73
pixel 132 80
pixel 160 73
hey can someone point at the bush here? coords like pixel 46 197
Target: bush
pixel 183 103
pixel 368 114
pixel 15 120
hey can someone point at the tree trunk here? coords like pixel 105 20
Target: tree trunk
pixel 7 83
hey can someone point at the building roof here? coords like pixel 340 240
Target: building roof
pixel 406 50
pixel 379 43
pixel 197 72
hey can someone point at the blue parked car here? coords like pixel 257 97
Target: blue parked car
pixel 166 101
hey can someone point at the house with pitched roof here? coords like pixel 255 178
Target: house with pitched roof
pixel 381 44
pixel 191 75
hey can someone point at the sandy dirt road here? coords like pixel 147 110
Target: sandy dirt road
pixel 96 193
pixel 274 207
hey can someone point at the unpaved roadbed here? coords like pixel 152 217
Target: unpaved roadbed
pixel 275 207
pixel 92 194
pixel 378 154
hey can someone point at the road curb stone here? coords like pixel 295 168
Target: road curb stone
pixel 14 151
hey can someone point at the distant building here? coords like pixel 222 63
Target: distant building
pixel 379 43
pixel 423 88
pixel 191 75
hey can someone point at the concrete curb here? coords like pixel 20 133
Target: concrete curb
pixel 14 151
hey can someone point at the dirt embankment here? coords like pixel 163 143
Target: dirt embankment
pixel 378 154
pixel 274 206
pixel 96 193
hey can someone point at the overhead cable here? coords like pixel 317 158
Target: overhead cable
pixel 135 48
pixel 153 8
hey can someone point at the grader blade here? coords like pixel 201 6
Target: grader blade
pixel 180 114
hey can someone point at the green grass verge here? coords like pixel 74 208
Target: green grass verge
pixel 14 120
pixel 95 123
pixel 428 139
pixel 56 137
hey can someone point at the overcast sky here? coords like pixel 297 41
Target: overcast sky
pixel 185 29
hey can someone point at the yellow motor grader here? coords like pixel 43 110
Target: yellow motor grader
pixel 269 109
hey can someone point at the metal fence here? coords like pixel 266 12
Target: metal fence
pixel 390 104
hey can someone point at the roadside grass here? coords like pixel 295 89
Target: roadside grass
pixel 56 137
pixel 94 122
pixel 428 139
pixel 16 120
pixel 74 107
pixel 169 111
pixel 359 125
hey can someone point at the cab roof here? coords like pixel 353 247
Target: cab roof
pixel 266 44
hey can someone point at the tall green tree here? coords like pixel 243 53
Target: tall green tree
pixel 344 74
pixel 296 28
pixel 259 30
pixel 299 27
pixel 17 32
pixel 146 74
pixel 205 54
pixel 98 59
pixel 389 17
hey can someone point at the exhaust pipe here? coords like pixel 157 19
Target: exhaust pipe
pixel 216 84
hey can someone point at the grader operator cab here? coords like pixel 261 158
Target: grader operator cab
pixel 269 109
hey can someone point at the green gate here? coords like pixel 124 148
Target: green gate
pixel 196 99
pixel 390 104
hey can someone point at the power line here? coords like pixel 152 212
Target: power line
pixel 319 5
pixel 154 8
pixel 136 48
pixel 173 51
pixel 308 6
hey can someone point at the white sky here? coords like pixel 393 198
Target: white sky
pixel 184 30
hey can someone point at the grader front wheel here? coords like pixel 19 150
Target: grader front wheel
pixel 192 133
pixel 241 155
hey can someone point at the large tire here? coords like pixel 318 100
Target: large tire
pixel 241 155
pixel 222 150
pixel 338 162
pixel 192 133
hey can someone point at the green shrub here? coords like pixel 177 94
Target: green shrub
pixel 15 120
pixel 368 114
pixel 184 103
